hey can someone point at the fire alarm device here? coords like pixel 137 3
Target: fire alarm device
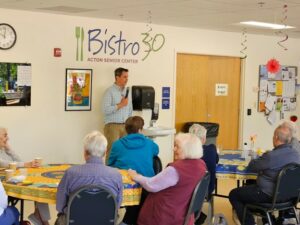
pixel 57 52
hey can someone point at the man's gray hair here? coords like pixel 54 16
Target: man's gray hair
pixel 199 130
pixel 95 144
pixel 190 145
pixel 292 127
pixel 284 134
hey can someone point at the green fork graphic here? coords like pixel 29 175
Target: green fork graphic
pixel 82 38
pixel 77 35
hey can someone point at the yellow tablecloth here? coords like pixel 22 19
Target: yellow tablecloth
pixel 45 180
pixel 232 165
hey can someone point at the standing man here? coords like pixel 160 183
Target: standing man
pixel 116 107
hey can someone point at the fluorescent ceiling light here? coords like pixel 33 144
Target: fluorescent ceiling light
pixel 266 25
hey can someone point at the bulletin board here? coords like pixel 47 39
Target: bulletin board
pixel 277 91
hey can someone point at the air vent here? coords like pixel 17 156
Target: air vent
pixel 67 9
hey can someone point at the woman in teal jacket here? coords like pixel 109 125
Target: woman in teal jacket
pixel 134 151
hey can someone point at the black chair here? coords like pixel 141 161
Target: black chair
pixel 92 205
pixel 157 166
pixel 286 194
pixel 197 199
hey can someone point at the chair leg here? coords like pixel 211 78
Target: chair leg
pixel 269 218
pixel 210 210
pixel 296 215
pixel 244 215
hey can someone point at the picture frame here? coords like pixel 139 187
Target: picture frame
pixel 78 91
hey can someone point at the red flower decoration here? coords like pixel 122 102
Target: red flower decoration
pixel 273 66
pixel 293 118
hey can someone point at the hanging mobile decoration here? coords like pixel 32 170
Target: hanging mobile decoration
pixel 149 20
pixel 244 44
pixel 281 33
pixel 273 66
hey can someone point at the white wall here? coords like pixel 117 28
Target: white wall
pixel 45 129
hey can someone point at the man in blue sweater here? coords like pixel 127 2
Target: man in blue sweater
pixel 268 167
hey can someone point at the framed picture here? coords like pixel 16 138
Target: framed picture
pixel 78 89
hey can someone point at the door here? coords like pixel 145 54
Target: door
pixel 196 100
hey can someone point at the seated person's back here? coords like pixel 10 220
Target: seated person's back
pixel 134 151
pixel 93 172
pixel 210 155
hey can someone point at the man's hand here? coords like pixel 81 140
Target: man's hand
pixel 123 103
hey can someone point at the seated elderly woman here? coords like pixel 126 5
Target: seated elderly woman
pixel 210 157
pixel 41 214
pixel 171 190
pixel 9 215
pixel 134 151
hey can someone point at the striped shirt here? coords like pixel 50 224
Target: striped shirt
pixel 93 172
pixel 112 97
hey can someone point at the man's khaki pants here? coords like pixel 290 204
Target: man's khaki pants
pixel 113 132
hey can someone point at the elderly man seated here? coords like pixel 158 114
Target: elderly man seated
pixel 92 172
pixel 268 167
pixel 41 214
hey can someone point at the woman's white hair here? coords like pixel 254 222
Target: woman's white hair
pixel 190 144
pixel 95 144
pixel 199 130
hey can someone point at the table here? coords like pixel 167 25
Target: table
pixel 45 180
pixel 232 166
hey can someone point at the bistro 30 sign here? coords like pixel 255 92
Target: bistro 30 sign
pixel 115 46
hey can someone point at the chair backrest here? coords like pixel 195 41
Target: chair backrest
pixel 92 205
pixel 197 199
pixel 157 166
pixel 288 184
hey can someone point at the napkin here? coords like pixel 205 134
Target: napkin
pixel 16 179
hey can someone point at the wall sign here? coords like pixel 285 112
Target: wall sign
pixel 166 92
pixel 221 89
pixel 165 104
pixel 109 46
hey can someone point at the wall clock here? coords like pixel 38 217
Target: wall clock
pixel 8 36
